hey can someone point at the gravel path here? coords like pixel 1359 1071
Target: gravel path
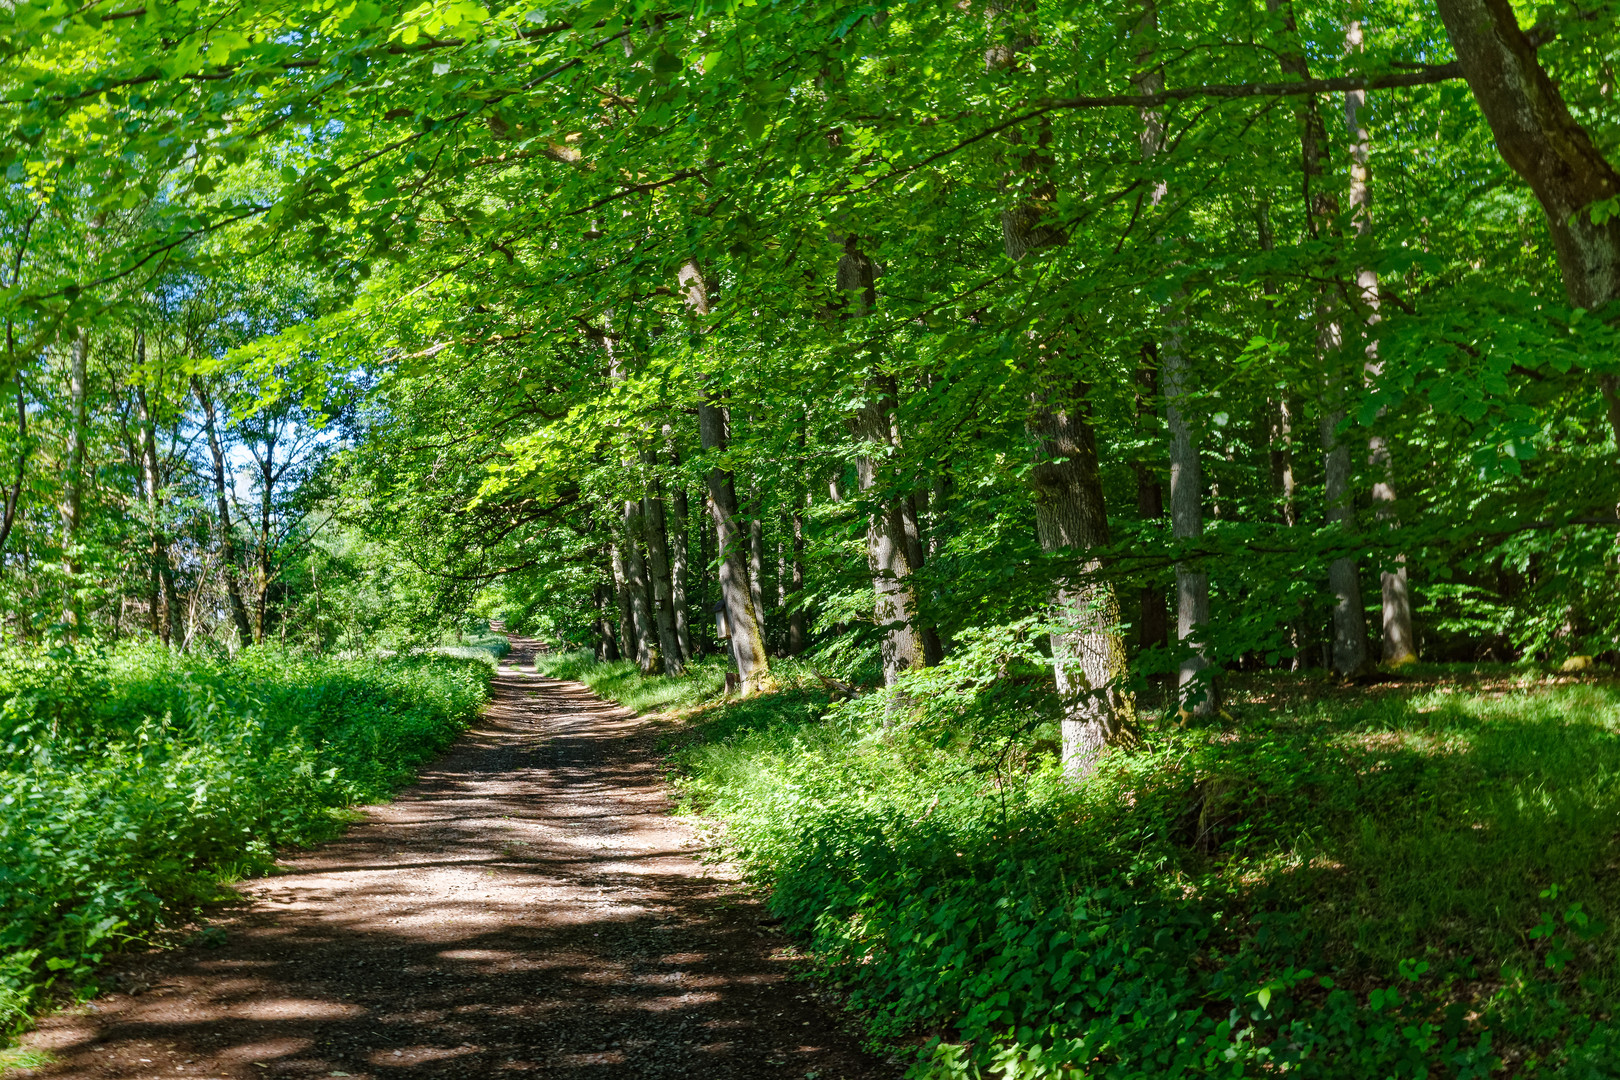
pixel 530 906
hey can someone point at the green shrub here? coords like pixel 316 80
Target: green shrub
pixel 1399 884
pixel 133 782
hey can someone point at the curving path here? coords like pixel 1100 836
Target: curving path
pixel 529 907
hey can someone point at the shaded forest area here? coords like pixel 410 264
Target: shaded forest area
pixel 1104 482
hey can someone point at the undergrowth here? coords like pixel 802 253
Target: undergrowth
pixel 1414 880
pixel 132 783
pixel 484 646
pixel 622 681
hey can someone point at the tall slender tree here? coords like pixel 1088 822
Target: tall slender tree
pixel 1400 644
pixel 744 626
pixel 72 503
pixel 1195 688
pixel 888 549
pixel 1088 653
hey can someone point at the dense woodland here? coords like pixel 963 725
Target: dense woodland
pixel 1090 363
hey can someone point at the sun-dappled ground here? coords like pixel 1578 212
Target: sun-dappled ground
pixel 530 906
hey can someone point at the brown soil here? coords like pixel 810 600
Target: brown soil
pixel 530 906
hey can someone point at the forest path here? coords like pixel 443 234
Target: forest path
pixel 529 906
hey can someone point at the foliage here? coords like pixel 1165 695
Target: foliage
pixel 135 781
pixel 1405 882
pixel 621 681
pixel 341 325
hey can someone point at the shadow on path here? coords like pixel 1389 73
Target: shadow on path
pixel 529 906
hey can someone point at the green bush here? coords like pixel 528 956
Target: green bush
pixel 1395 884
pixel 133 782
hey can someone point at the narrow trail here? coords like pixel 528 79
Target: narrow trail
pixel 529 906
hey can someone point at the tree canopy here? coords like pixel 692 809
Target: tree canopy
pixel 1193 336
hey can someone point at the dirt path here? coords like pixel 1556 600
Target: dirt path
pixel 528 907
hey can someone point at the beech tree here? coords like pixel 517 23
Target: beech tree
pixel 841 332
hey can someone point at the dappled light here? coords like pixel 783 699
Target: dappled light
pixel 819 539
pixel 530 905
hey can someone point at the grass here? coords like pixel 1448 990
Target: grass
pixel 1411 879
pixel 486 647
pixel 135 782
pixel 622 681
pixel 23 1058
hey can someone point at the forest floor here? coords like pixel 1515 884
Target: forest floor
pixel 529 906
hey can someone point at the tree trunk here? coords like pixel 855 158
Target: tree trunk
pixel 658 566
pixel 705 562
pixel 133 449
pixel 153 474
pixel 796 620
pixel 1153 617
pixel 756 558
pixel 886 558
pixel 747 633
pixel 14 497
pixel 227 535
pixel 1349 645
pixel 1088 654
pixel 73 479
pixel 888 554
pixel 628 646
pixel 910 521
pixel 262 574
pixel 1280 414
pixel 607 649
pixel 1196 691
pixel 1195 686
pixel 678 569
pixel 1545 145
pixel 746 629
pixel 649 656
pixel 1400 643
pixel 1349 634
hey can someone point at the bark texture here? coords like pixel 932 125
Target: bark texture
pixel 1348 651
pixel 1195 689
pixel 1399 640
pixel 621 593
pixel 679 564
pixel 890 551
pixel 649 656
pixel 607 649
pixel 747 630
pixel 230 560
pixel 659 569
pixel 796 621
pixel 1153 616
pixel 1280 416
pixel 73 476
pixel 1088 654
pixel 8 516
pixel 756 556
pixel 152 478
pixel 1546 146
pixel 1348 633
